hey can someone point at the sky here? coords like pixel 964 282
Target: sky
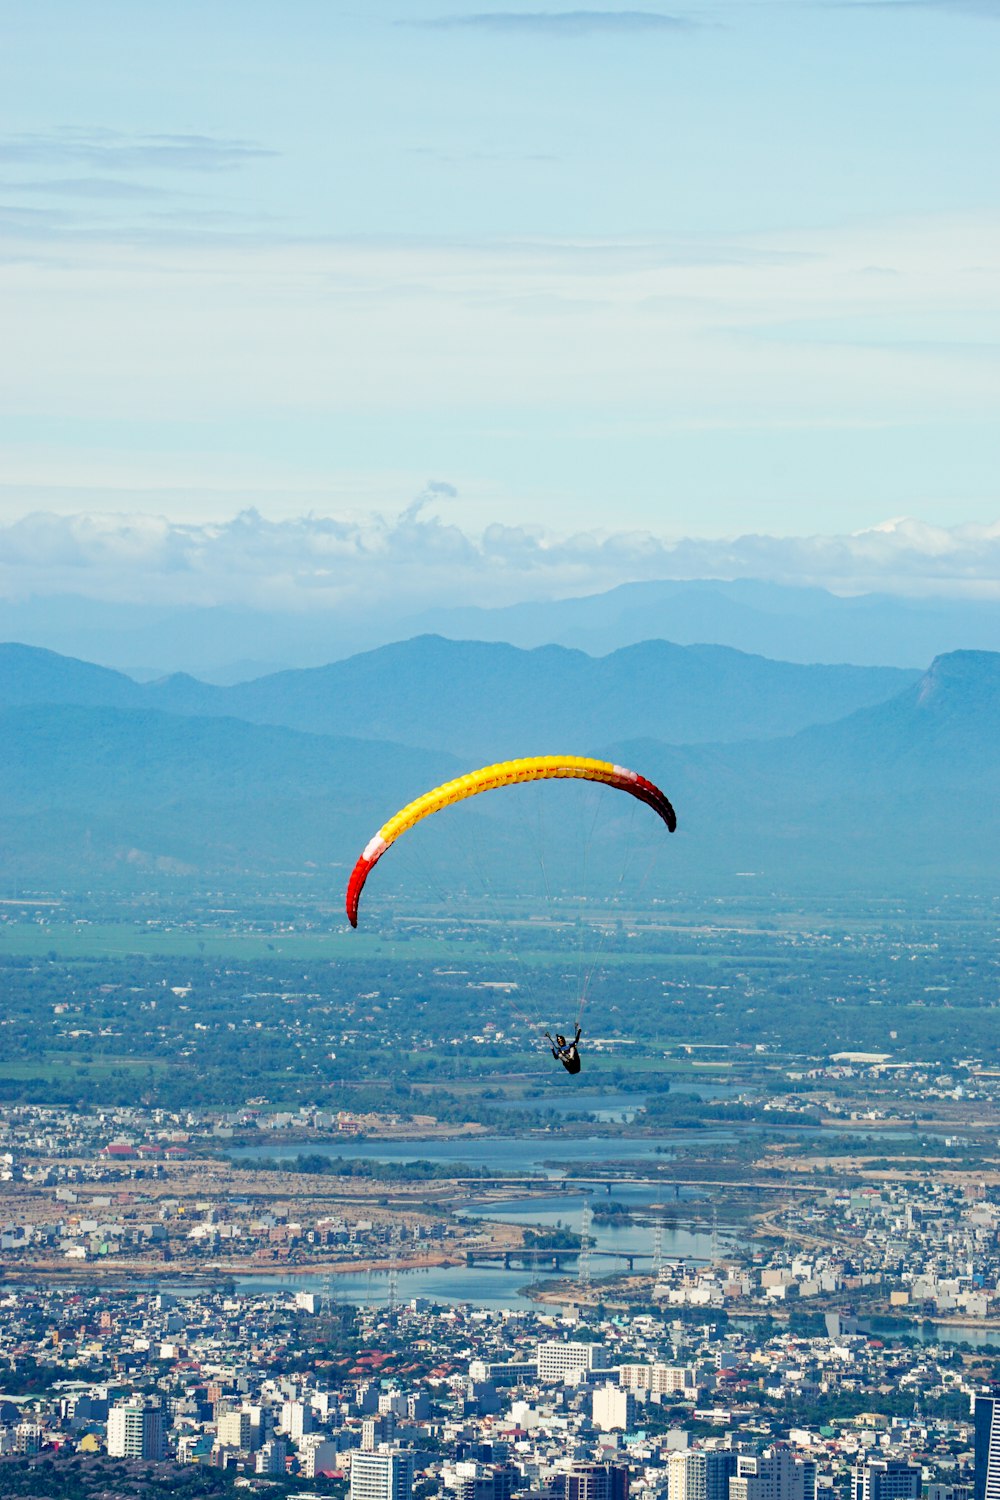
pixel 293 293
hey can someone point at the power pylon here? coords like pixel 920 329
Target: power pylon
pixel 583 1262
pixel 393 1274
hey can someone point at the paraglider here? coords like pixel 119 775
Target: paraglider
pixel 509 773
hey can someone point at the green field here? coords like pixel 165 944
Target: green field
pixel 96 940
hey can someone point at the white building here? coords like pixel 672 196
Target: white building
pixel 504 1371
pixel 613 1409
pixel 296 1419
pixel 135 1429
pixel 657 1379
pixel 562 1359
pixel 317 1454
pixel 28 1438
pixel 386 1474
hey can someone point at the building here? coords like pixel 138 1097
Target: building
pixel 135 1429
pixel 777 1474
pixel 561 1359
pixel 271 1458
pixel 986 1474
pixel 296 1419
pixel 504 1371
pixel 317 1455
pixel 377 1430
pixel 28 1438
pixel 657 1379
pixel 886 1479
pixel 386 1474
pixel 234 1430
pixel 592 1482
pixel 697 1475
pixel 613 1409
pixel 471 1480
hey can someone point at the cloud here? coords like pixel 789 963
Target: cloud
pixel 83 187
pixel 559 23
pixel 373 565
pixel 434 489
pixel 115 151
pixel 988 8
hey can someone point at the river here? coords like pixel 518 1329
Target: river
pixel 548 1154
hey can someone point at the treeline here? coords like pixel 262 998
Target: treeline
pixel 315 1164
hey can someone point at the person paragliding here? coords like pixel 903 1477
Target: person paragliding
pixel 508 773
pixel 566 1052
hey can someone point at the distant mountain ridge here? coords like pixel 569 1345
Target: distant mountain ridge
pixel 782 622
pixel 902 791
pixel 491 701
pixel 232 643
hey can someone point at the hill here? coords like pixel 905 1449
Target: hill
pixel 233 643
pixel 489 701
pixel 774 620
pixel 900 793
pixel 91 793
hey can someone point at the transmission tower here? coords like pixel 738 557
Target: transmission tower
pixel 657 1248
pixel 393 1274
pixel 715 1233
pixel 583 1262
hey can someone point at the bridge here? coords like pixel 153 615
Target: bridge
pixel 560 1184
pixel 552 1259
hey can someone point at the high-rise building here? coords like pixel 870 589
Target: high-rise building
pixel 559 1358
pixel 694 1474
pixel 271 1458
pixel 986 1474
pixel 886 1479
pixel 135 1429
pixel 777 1474
pixel 234 1430
pixel 317 1454
pixel 386 1474
pixel 593 1482
pixel 377 1430
pixel 473 1480
pixel 613 1409
pixel 296 1419
pixel 28 1438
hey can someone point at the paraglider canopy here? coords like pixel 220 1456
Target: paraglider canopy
pixel 488 778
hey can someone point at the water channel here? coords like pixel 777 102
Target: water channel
pixel 548 1154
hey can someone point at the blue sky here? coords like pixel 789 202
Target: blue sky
pixel 684 271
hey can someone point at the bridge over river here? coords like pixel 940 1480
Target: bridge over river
pixel 535 1257
pixel 561 1184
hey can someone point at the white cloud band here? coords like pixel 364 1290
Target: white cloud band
pixel 416 560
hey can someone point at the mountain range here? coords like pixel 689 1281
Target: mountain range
pixel 775 620
pixel 843 777
pixel 229 644
pixel 490 701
